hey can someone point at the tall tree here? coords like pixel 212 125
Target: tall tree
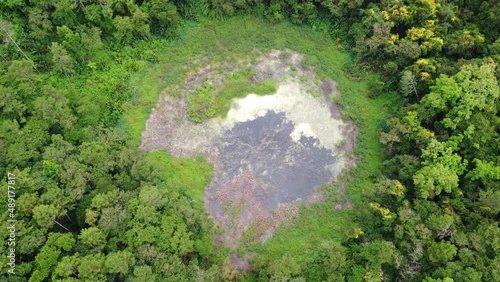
pixel 62 60
pixel 6 28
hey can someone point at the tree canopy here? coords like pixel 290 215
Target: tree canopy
pixel 93 207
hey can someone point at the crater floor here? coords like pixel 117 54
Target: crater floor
pixel 270 153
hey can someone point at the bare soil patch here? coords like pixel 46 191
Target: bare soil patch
pixel 270 153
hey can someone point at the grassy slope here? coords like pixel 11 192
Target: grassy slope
pixel 188 175
pixel 235 39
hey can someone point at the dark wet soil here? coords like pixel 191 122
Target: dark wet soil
pixel 261 174
pixel 290 169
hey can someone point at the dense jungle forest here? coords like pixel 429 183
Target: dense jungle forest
pixel 78 79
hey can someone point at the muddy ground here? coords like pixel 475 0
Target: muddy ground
pixel 270 154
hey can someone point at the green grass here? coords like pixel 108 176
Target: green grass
pixel 241 88
pixel 203 44
pixel 209 102
pixel 236 39
pixel 315 224
pixel 189 176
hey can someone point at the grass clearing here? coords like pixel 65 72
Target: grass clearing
pixel 209 102
pixel 202 44
pixel 190 176
pixel 236 39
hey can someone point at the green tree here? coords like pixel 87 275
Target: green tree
pixel 466 43
pixel 45 261
pixel 285 268
pixel 25 204
pixel 18 89
pixel 474 88
pixel 119 262
pixel 45 215
pixel 40 25
pixel 23 147
pixel 74 177
pixel 163 17
pixel 441 225
pixel 93 237
pixel 10 104
pixel 429 279
pixel 67 267
pixel 175 236
pixel 100 15
pixel 53 108
pixel 19 73
pixel 91 41
pixel 6 28
pixel 124 29
pixel 62 60
pixel 335 261
pixel 62 241
pixel 31 241
pixel 441 252
pixel 433 179
pixel 71 41
pixel 143 273
pixel 63 14
pixel 92 268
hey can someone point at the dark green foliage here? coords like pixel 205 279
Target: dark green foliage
pixel 187 175
pixel 91 207
pixel 164 18
pixel 72 166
